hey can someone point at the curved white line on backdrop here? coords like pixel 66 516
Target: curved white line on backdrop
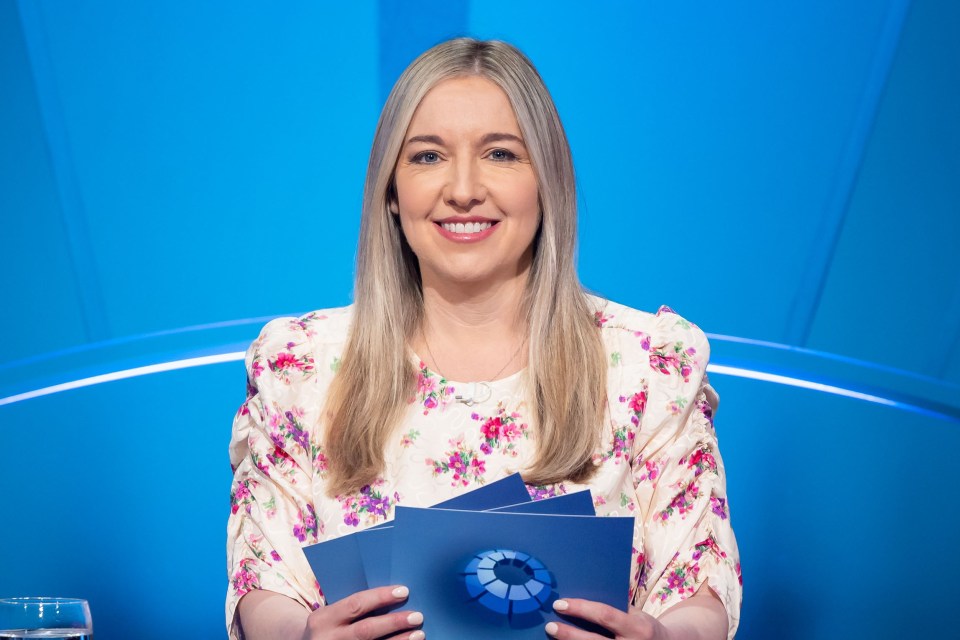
pixel 125 373
pixel 737 372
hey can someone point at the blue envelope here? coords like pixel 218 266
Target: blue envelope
pixel 480 575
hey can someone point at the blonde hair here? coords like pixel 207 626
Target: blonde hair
pixel 566 369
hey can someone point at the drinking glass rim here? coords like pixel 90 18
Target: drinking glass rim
pixel 42 600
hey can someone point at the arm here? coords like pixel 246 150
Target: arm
pixel 271 616
pixel 699 617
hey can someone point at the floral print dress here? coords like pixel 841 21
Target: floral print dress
pixel 658 459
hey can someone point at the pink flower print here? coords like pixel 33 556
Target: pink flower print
pixel 682 503
pixel 286 361
pixel 407 440
pixel 665 359
pixel 708 545
pixel 320 462
pixel 464 465
pixel 241 495
pixel 245 579
pixel 599 501
pixel 637 403
pixel 275 555
pixel 257 368
pixel 651 470
pixel 502 431
pixel 600 318
pixel 425 382
pixel 665 309
pixel 702 460
pixel 431 392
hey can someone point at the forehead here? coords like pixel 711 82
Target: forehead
pixel 469 104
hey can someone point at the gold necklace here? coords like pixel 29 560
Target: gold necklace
pixel 471 399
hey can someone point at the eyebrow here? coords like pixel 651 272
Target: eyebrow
pixel 486 139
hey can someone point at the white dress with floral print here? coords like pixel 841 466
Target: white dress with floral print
pixel 658 458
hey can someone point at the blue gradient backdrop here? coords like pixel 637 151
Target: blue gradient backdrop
pixel 787 175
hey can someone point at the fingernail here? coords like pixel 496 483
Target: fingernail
pixel 551 629
pixel 418 635
pixel 401 592
pixel 560 605
pixel 415 618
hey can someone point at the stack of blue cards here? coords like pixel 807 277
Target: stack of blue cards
pixel 488 563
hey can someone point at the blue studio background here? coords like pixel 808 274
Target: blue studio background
pixel 785 174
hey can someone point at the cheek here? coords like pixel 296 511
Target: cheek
pixel 415 194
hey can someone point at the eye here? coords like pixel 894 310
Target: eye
pixel 427 157
pixel 502 155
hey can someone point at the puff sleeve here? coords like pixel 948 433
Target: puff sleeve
pixel 273 458
pixel 678 477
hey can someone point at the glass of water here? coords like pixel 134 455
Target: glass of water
pixel 51 618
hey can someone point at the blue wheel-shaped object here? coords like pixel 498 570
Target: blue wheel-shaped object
pixel 508 582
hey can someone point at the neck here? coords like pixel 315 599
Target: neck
pixel 473 333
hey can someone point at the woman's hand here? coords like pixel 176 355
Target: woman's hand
pixel 635 625
pixel 266 615
pixel 699 617
pixel 344 620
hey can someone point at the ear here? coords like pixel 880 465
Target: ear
pixel 392 203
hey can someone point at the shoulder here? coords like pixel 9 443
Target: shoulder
pixel 638 332
pixel 662 353
pixel 297 347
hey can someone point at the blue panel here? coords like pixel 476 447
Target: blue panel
pixel 41 303
pixel 407 29
pixel 893 293
pixel 122 493
pixel 64 171
pixel 221 153
pixel 706 136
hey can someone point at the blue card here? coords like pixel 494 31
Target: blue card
pixel 479 575
pixel 375 544
pixel 338 563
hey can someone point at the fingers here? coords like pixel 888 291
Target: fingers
pixel 348 619
pixel 361 603
pixel 623 625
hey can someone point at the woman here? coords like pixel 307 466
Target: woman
pixel 465 273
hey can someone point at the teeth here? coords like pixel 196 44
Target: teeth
pixel 467 227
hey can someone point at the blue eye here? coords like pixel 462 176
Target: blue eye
pixel 502 155
pixel 427 157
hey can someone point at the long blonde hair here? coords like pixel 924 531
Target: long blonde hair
pixel 566 369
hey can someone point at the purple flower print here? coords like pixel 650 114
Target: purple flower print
pixel 371 501
pixel 719 507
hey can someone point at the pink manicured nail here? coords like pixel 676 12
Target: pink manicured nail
pixel 551 629
pixel 400 592
pixel 560 605
pixel 418 635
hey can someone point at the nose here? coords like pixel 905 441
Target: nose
pixel 465 186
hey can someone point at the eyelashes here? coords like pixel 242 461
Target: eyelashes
pixel 432 157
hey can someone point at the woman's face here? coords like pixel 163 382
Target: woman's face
pixel 466 191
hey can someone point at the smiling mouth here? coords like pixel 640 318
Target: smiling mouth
pixel 466 227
